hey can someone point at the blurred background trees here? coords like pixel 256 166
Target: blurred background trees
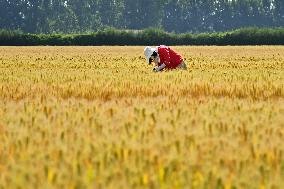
pixel 180 16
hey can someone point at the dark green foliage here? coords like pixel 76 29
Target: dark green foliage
pixel 183 16
pixel 245 36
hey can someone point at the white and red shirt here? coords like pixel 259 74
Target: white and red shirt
pixel 168 57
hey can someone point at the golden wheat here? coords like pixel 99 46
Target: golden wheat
pixel 97 117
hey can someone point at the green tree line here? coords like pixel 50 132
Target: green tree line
pixel 180 16
pixel 245 36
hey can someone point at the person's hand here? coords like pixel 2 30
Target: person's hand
pixel 155 69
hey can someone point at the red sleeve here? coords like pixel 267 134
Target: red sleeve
pixel 164 54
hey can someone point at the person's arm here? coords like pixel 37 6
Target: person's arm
pixel 165 56
pixel 159 68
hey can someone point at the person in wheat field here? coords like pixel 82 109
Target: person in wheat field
pixel 163 58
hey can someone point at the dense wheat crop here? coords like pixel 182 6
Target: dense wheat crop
pixel 97 117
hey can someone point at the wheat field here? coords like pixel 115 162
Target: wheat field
pixel 98 117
